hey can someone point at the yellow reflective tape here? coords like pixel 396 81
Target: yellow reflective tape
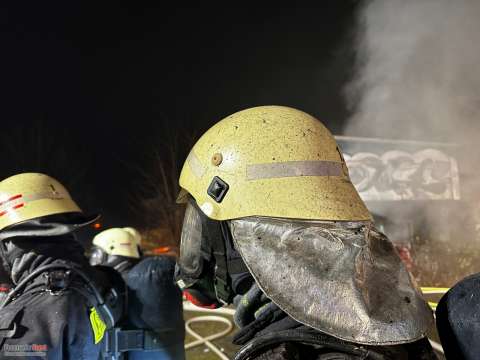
pixel 433 305
pixel 98 326
pixel 434 290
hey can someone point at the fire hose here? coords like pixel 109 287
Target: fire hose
pixel 207 340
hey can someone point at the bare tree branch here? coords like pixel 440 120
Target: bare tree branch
pixel 154 200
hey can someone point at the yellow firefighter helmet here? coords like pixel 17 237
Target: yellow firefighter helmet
pixel 32 195
pixel 119 241
pixel 270 161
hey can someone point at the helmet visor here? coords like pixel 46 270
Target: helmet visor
pixel 97 256
pixel 190 261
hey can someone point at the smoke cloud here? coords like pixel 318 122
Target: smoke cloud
pixel 417 77
pixel 417 74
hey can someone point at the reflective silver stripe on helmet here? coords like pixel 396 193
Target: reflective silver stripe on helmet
pixel 294 169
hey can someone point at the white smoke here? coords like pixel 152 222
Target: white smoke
pixel 418 70
pixel 417 77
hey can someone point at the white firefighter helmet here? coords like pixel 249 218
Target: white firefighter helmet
pixel 119 241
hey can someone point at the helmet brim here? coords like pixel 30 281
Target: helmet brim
pixel 51 225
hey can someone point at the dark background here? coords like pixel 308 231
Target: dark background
pixel 89 93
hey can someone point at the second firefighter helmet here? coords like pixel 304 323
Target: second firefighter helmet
pixel 30 196
pixel 270 161
pixel 119 242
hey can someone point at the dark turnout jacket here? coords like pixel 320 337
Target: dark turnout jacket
pixel 49 319
pixel 458 320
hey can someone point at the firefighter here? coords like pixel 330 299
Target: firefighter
pixel 154 302
pixel 274 224
pixel 59 306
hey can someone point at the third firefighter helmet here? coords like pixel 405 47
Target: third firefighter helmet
pixel 270 161
pixel 119 241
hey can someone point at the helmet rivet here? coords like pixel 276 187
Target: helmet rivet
pixel 217 159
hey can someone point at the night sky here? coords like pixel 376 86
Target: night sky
pixel 88 93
